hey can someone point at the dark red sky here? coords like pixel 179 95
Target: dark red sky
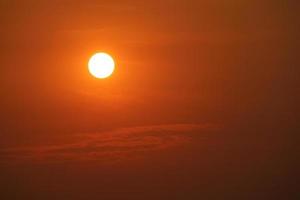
pixel 203 103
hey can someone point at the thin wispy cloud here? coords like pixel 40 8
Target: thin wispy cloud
pixel 111 146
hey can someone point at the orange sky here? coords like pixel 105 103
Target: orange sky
pixel 204 96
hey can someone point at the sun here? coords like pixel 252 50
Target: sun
pixel 101 65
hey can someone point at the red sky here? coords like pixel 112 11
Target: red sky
pixel 202 105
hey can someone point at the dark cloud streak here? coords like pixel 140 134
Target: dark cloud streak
pixel 111 146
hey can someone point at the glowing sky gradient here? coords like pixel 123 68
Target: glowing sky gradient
pixel 203 103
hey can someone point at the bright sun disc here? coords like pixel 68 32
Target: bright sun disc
pixel 101 65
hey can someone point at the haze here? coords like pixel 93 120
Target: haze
pixel 203 103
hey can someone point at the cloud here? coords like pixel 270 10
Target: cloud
pixel 111 146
